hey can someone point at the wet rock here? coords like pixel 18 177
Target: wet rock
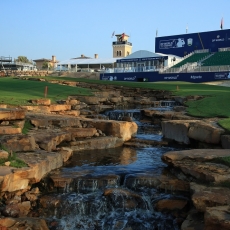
pixel 124 199
pixel 225 141
pixel 23 224
pixel 135 142
pixel 217 218
pixel 96 143
pixel 81 183
pixel 166 184
pixel 176 130
pixel 33 194
pixel 205 197
pixel 194 221
pixel 167 205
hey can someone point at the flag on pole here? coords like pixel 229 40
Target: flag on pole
pixel 113 34
pixel 222 23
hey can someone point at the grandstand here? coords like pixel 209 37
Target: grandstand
pixel 196 57
pixel 218 59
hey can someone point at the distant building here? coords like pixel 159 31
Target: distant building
pixel 121 47
pixel 52 63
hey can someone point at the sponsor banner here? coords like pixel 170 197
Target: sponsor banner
pixel 142 59
pixel 156 76
pixel 184 44
pixel 172 43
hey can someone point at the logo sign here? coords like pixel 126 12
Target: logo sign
pixel 172 43
pixel 189 41
pixel 222 75
pixel 130 78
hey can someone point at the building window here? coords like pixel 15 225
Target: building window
pixel 119 53
pixel 127 53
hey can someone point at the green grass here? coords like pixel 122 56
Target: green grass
pixel 222 160
pixel 18 92
pixel 14 160
pixel 214 104
pixel 27 127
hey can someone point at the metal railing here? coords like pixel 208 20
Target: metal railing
pixel 197 68
pixel 122 43
pixel 133 69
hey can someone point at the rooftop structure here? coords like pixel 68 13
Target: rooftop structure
pixel 121 47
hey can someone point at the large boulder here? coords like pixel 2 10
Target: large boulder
pixel 176 130
pixel 121 129
pixel 205 132
pixel 183 131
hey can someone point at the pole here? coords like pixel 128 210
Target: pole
pixel 46 90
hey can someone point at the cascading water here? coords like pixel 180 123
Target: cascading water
pixel 113 189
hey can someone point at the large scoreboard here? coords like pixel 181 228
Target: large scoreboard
pixel 183 44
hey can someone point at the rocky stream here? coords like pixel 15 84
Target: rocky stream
pixel 113 161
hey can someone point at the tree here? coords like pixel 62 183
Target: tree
pixel 45 65
pixel 23 59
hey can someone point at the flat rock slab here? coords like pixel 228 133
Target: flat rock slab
pixel 205 197
pixel 81 181
pixel 8 130
pixel 39 164
pixel 197 163
pixel 51 120
pixel 18 142
pixel 195 154
pixel 51 138
pixel 217 218
pixel 11 114
pixel 96 143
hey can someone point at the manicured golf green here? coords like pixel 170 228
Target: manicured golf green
pixel 18 92
pixel 214 104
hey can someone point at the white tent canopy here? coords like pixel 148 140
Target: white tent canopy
pixel 88 61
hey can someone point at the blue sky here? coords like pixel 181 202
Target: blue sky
pixel 68 28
